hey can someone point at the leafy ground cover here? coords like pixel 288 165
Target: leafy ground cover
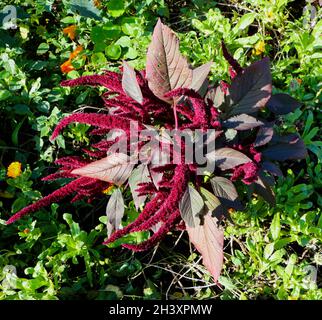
pixel 57 253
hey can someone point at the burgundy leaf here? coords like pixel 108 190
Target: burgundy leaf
pixel 251 89
pixel 272 168
pixel 130 84
pixel 242 122
pixel 236 66
pixel 264 135
pixel 199 78
pixel 115 168
pixel 166 68
pixel 209 240
pixel 114 211
pixel 286 151
pixel 282 103
pixel 227 158
pixel 262 188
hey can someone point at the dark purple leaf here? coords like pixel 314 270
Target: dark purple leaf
pixel 226 192
pixel 282 103
pixel 242 122
pixel 191 206
pixel 130 84
pixel 166 68
pixel 286 151
pixel 272 168
pixel 289 138
pixel 251 89
pixel 227 158
pixel 264 135
pixel 230 58
pixel 262 188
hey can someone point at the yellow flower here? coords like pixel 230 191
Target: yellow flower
pixel 259 48
pixel 14 169
pixel 70 31
pixel 270 14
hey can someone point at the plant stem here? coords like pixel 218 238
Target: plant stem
pixel 175 115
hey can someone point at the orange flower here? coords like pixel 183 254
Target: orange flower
pixel 70 31
pixel 299 81
pixel 75 53
pixel 67 65
pixel 97 3
pixel 14 169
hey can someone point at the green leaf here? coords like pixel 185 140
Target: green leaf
pixel 115 8
pixel 226 192
pixel 276 227
pixel 246 20
pixel 108 31
pixel 190 206
pixel 4 94
pixel 42 48
pixel 113 51
pixel 85 8
pixel 98 59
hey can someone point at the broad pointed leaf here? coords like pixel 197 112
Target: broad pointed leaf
pixel 264 134
pixel 166 68
pixel 191 206
pixel 115 168
pixel 199 77
pixel 115 211
pixel 130 84
pixel 251 89
pixel 286 151
pixel 139 175
pixel 272 168
pixel 227 158
pixel 226 192
pixel 242 122
pixel 282 103
pixel 212 203
pixel 262 188
pixel 209 240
